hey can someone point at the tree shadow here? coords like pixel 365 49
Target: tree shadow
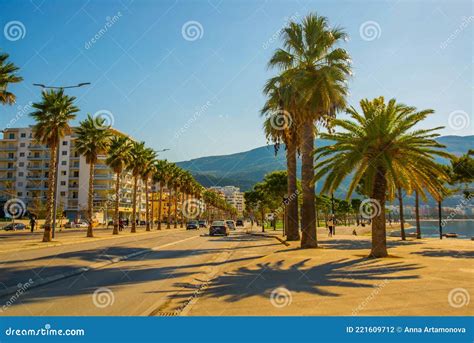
pixel 430 252
pixel 265 277
pixel 348 244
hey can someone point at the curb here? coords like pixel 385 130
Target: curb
pixel 53 278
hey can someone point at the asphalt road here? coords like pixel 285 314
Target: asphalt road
pixel 172 269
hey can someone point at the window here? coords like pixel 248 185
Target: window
pixel 21 164
pixel 64 152
pixel 63 173
pixel 11 155
pixel 23 135
pixel 22 154
pixel 63 183
pixel 20 184
pixel 9 175
pixel 22 145
pixel 76 174
pixel 65 143
pixel 63 163
pixel 21 174
pixel 11 136
pixel 63 194
pixel 20 194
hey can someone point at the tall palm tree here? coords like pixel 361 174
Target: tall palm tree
pixel 161 177
pixel 177 181
pixel 117 159
pixel 402 217
pixel 279 127
pixel 7 76
pixel 148 170
pixel 313 63
pixel 417 215
pixel 381 148
pixel 92 140
pixel 136 165
pixel 52 117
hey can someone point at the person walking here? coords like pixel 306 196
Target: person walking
pixel 32 223
pixel 330 226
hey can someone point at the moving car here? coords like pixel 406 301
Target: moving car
pixel 202 223
pixel 192 225
pixel 14 227
pixel 219 227
pixel 230 224
pixel 239 222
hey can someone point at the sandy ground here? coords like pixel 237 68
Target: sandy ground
pixel 421 277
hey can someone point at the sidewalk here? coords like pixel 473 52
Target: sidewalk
pixel 421 277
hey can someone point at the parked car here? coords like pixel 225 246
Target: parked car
pixel 202 223
pixel 14 227
pixel 192 225
pixel 219 227
pixel 230 224
pixel 239 222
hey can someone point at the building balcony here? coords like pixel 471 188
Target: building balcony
pixel 5 178
pixel 8 159
pixel 36 188
pixel 7 168
pixel 37 147
pixel 38 158
pixel 36 177
pixel 8 148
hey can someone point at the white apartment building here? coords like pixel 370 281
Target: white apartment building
pixel 24 168
pixel 233 196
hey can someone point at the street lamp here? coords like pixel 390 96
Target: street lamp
pixel 55 205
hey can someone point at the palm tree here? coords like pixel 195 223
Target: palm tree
pixel 136 165
pixel 92 140
pixel 148 170
pixel 52 117
pixel 161 177
pixel 382 150
pixel 313 64
pixel 417 214
pixel 118 159
pixel 402 217
pixel 281 127
pixel 177 182
pixel 7 76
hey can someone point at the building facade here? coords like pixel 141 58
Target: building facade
pixel 233 196
pixel 24 169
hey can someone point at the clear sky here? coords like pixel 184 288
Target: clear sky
pixel 188 75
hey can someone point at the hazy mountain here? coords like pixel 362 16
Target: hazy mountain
pixel 244 169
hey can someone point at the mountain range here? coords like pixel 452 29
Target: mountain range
pixel 244 169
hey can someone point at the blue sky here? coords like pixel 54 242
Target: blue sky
pixel 202 96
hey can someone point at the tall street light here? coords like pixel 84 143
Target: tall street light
pixel 55 191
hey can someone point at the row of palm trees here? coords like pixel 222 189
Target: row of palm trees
pixel 123 155
pixel 379 147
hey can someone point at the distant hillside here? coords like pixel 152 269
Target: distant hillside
pixel 244 169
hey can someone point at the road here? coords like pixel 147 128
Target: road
pixel 164 279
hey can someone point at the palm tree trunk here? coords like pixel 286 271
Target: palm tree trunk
pixel 417 215
pixel 440 223
pixel 90 200
pixel 292 230
pixel 160 206
pixel 402 219
pixel 117 203
pixel 147 206
pixel 308 223
pixel 176 192
pixel 168 224
pixel 134 208
pixel 152 213
pixel 52 180
pixel 181 214
pixel 379 237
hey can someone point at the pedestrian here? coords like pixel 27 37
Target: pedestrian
pixel 330 226
pixel 32 223
pixel 354 232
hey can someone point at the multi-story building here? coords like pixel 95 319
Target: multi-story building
pixel 24 169
pixel 233 196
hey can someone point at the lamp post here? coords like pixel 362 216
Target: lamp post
pixel 55 191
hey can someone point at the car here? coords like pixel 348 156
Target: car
pixel 230 224
pixel 82 224
pixel 219 227
pixel 202 223
pixel 14 227
pixel 192 225
pixel 239 222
